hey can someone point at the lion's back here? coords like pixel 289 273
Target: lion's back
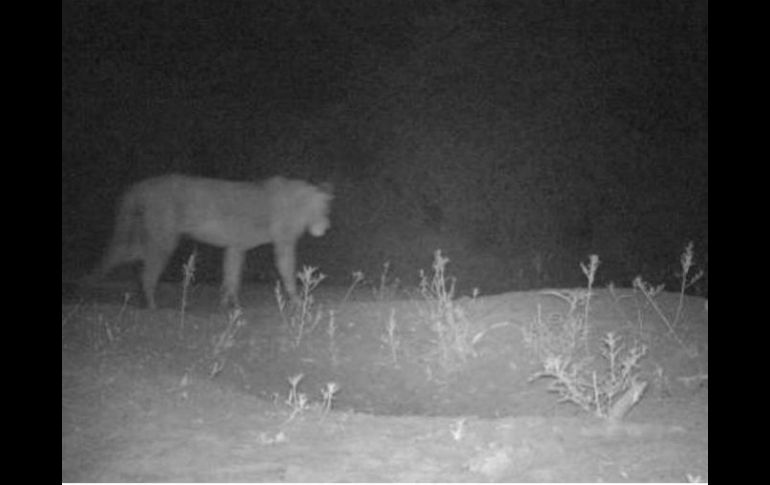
pixel 199 196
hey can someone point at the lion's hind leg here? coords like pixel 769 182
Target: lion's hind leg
pixel 155 259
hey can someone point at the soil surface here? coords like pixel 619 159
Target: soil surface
pixel 205 395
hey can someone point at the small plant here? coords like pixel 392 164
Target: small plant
pixel 391 338
pixel 297 401
pixel 561 342
pixel 650 293
pixel 188 276
pixel 280 299
pixel 301 317
pixel 387 289
pixel 358 276
pixel 446 318
pixel 565 334
pixel 687 261
pixel 589 271
pixel 332 332
pixel 435 290
pixel 225 340
pixel 328 393
pixel 608 394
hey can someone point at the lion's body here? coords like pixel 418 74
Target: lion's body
pixel 237 216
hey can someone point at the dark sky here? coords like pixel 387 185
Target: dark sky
pixel 503 129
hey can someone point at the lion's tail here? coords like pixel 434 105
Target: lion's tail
pixel 129 236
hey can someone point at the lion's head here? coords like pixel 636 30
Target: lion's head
pixel 319 206
pixel 300 206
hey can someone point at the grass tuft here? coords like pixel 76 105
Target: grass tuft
pixel 301 317
pixel 358 277
pixel 387 290
pixel 561 343
pixel 446 318
pixel 188 276
pixel 391 338
pixel 225 340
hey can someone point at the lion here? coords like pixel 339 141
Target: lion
pixel 237 216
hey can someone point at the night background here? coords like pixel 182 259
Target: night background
pixel 516 136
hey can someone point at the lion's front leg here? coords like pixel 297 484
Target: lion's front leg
pixel 233 267
pixel 285 261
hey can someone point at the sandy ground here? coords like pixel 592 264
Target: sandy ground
pixel 157 396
